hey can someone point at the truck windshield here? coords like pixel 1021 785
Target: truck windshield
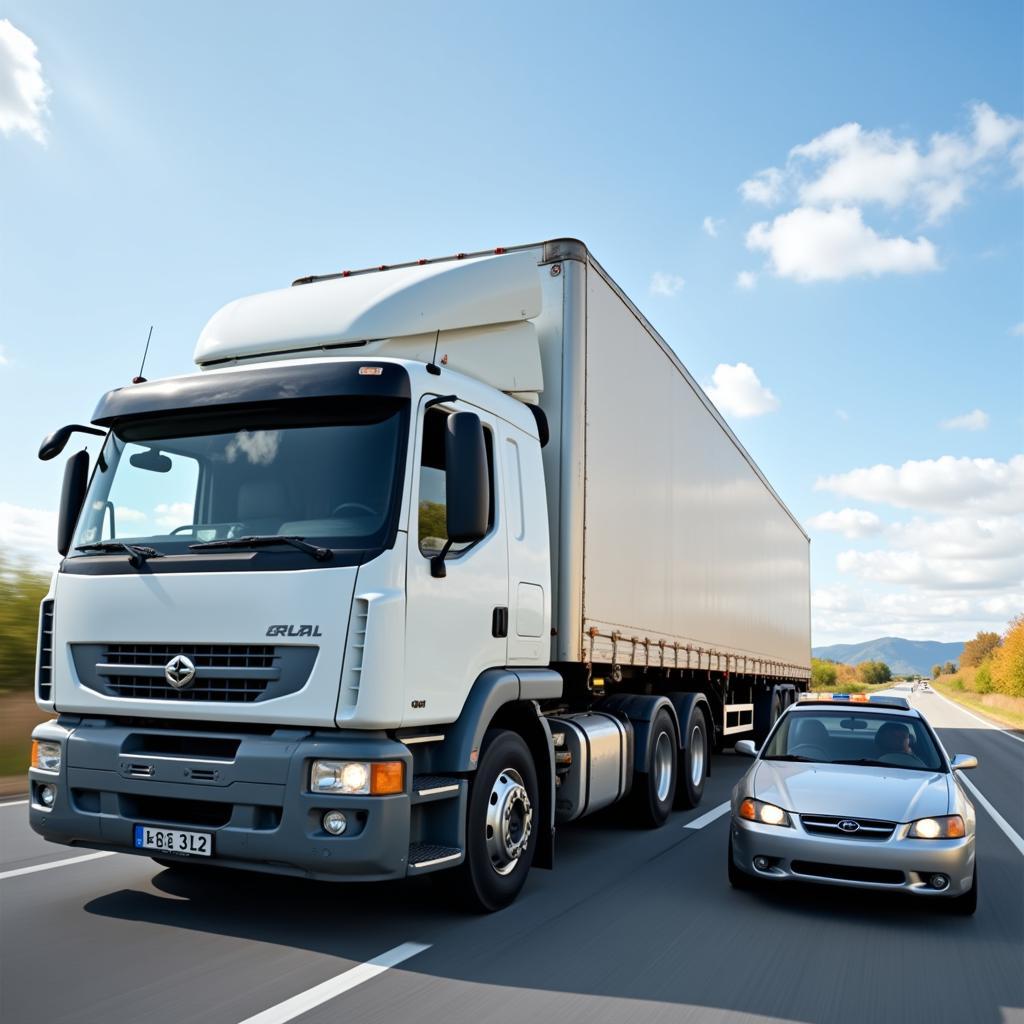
pixel 326 471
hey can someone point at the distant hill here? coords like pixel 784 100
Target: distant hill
pixel 902 656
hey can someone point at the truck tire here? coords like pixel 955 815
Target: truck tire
pixel 654 790
pixel 694 769
pixel 766 715
pixel 502 817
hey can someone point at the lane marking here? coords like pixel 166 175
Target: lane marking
pixel 977 718
pixel 993 813
pixel 314 997
pixel 705 819
pixel 13 803
pixel 50 865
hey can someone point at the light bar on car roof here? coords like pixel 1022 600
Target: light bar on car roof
pixel 878 700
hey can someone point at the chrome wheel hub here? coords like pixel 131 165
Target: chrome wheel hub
pixel 663 765
pixel 509 821
pixel 696 756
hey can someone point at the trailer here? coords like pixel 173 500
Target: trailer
pixel 424 561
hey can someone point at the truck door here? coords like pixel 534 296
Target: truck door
pixel 456 626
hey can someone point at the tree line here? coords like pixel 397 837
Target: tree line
pixel 997 662
pixel 21 591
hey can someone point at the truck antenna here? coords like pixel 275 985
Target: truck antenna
pixel 432 366
pixel 140 379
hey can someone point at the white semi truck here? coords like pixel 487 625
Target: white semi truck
pixel 423 561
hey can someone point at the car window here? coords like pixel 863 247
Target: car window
pixel 848 737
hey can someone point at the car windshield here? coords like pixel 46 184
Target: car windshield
pixel 845 737
pixel 327 471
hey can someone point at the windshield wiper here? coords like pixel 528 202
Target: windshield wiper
pixel 871 763
pixel 265 540
pixel 793 757
pixel 137 553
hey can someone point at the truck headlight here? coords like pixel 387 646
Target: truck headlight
pixel 353 778
pixel 46 755
pixel 949 827
pixel 765 814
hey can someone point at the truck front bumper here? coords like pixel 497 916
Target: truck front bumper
pixel 249 791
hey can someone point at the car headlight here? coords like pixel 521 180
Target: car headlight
pixel 46 755
pixel 951 826
pixel 354 778
pixel 765 814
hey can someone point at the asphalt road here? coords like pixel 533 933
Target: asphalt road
pixel 637 926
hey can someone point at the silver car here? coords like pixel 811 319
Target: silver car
pixel 855 791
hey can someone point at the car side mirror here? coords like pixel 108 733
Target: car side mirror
pixel 467 490
pixel 746 748
pixel 962 762
pixel 72 497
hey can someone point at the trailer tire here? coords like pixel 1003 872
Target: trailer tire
pixel 654 790
pixel 504 803
pixel 694 771
pixel 767 718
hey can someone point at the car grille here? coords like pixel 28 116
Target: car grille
pixel 224 672
pixel 867 828
pixel 848 872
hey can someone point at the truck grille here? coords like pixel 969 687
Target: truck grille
pixel 867 828
pixel 236 673
pixel 44 672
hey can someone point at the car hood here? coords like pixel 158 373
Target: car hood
pixel 857 791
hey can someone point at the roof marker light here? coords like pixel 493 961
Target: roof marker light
pixel 500 251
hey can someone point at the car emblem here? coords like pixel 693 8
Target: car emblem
pixel 848 825
pixel 179 672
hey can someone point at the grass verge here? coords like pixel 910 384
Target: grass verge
pixel 1001 709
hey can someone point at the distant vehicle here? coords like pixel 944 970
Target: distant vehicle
pixel 926 688
pixel 855 791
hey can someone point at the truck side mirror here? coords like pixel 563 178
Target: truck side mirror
pixel 72 497
pixel 467 489
pixel 53 444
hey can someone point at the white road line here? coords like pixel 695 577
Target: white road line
pixel 994 814
pixel 13 803
pixel 705 819
pixel 50 865
pixel 977 718
pixel 313 997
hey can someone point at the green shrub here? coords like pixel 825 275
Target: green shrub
pixel 983 679
pixel 21 590
pixel 956 683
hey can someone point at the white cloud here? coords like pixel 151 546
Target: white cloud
pixel 737 391
pixel 177 513
pixel 666 284
pixel 711 226
pixel 850 522
pixel 746 279
pixel 925 570
pixel 975 420
pixel 937 485
pixel 23 91
pixel 765 187
pixel 29 533
pixel 124 514
pixel 851 165
pixel 808 244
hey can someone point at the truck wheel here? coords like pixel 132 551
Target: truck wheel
pixel 769 713
pixel 690 787
pixel 504 802
pixel 654 790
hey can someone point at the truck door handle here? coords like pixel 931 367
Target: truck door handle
pixel 499 622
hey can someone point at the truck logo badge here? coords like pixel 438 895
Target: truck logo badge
pixel 293 631
pixel 179 672
pixel 848 825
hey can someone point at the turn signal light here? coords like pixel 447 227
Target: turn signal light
pixel 387 778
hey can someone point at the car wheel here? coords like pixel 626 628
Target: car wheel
pixel 738 878
pixel 504 808
pixel 967 904
pixel 694 769
pixel 654 790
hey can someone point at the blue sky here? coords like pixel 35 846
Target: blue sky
pixel 157 161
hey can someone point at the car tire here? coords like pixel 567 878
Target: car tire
pixel 484 882
pixel 694 761
pixel 738 878
pixel 967 904
pixel 654 790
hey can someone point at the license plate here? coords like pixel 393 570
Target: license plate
pixel 172 840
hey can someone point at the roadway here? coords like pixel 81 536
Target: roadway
pixel 637 926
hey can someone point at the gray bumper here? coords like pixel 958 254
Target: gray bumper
pixel 795 854
pixel 255 803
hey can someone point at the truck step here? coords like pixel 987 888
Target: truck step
pixel 428 856
pixel 426 788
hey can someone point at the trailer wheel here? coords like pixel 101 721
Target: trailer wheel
pixel 504 802
pixel 766 715
pixel 654 790
pixel 690 787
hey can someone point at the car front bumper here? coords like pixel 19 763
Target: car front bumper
pixel 894 864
